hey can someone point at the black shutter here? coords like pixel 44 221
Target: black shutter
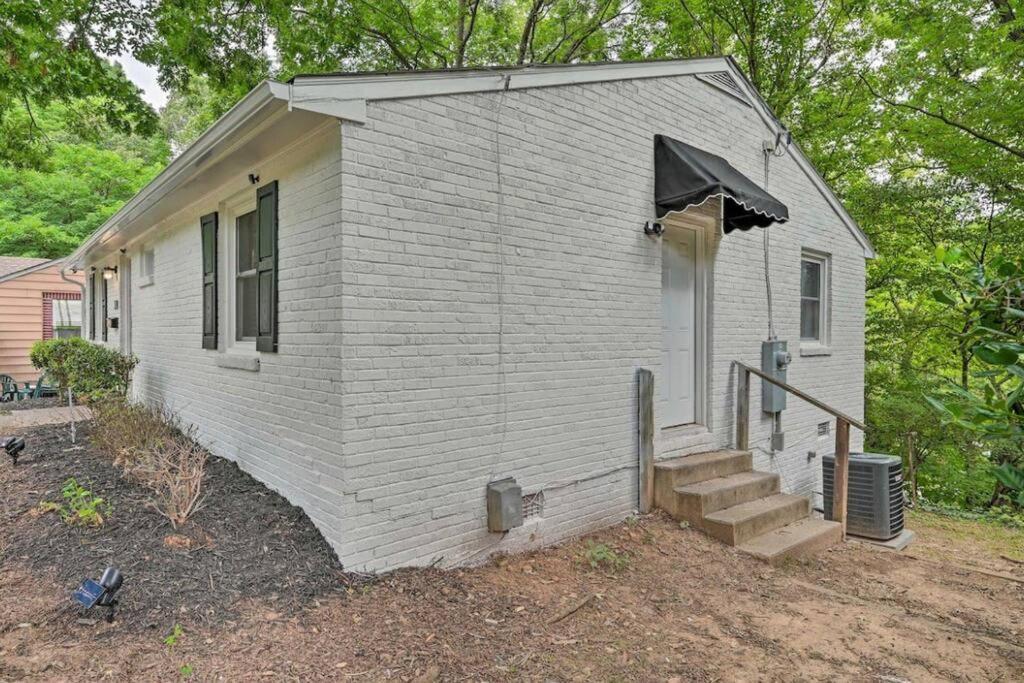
pixel 208 228
pixel 92 305
pixel 266 270
pixel 103 309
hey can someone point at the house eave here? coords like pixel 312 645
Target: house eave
pixel 258 104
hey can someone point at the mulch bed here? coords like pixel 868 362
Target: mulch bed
pixel 245 543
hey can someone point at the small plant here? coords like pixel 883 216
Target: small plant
pixel 81 506
pixel 186 670
pixel 172 638
pixel 599 555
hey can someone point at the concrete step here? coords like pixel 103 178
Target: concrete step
pixel 690 469
pixel 799 539
pixel 693 502
pixel 740 523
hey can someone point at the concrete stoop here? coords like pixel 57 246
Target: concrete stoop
pixel 720 493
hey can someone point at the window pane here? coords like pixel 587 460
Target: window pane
pixel 246 307
pixel 247 242
pixel 810 278
pixel 810 311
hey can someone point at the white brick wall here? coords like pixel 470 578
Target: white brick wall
pixel 443 325
pixel 473 352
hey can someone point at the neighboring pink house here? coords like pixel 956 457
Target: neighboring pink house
pixel 35 303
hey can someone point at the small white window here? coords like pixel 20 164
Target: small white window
pixel 147 264
pixel 814 313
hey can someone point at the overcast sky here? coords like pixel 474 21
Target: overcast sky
pixel 144 77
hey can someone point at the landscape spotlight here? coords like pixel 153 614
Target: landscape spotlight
pixel 13 445
pixel 100 593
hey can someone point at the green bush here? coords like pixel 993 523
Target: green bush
pixel 91 371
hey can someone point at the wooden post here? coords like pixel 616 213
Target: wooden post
pixel 841 473
pixel 645 436
pixel 912 467
pixel 742 409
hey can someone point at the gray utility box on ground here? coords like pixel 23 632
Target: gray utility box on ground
pixel 874 505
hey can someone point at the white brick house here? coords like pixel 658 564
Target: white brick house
pixel 465 291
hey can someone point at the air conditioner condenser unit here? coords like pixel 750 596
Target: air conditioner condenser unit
pixel 874 504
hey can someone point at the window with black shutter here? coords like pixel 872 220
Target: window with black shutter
pixel 266 267
pixel 208 228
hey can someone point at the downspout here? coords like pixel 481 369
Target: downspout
pixel 81 286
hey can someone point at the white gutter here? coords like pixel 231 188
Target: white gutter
pixel 81 286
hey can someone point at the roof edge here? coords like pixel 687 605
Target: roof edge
pixel 28 270
pixel 797 154
pixel 188 163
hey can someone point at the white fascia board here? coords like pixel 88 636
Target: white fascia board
pixel 185 166
pixel 401 85
pixel 805 165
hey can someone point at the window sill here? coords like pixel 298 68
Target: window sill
pixel 145 281
pixel 238 361
pixel 814 349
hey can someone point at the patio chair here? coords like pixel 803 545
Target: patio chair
pixel 9 390
pixel 40 390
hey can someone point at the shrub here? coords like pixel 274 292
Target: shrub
pixel 81 506
pixel 129 432
pixel 91 371
pixel 152 448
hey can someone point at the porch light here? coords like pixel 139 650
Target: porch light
pixel 100 593
pixel 109 272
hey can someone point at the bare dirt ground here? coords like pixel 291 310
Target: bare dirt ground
pixel 681 607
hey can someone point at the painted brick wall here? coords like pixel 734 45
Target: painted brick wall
pixel 279 423
pixel 498 294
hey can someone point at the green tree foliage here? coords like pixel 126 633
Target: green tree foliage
pixel 52 51
pixel 991 406
pixel 60 191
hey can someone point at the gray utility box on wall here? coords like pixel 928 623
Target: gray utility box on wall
pixel 504 505
pixel 774 361
pixel 874 505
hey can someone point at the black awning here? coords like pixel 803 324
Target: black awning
pixel 685 176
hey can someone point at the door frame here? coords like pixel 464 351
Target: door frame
pixel 705 228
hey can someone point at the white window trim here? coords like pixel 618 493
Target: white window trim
pixel 822 346
pixel 146 275
pixel 241 203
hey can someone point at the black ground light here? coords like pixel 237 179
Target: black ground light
pixel 100 593
pixel 13 445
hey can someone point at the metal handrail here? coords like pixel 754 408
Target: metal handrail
pixel 799 394
pixel 843 422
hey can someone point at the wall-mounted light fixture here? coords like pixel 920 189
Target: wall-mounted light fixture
pixel 109 272
pixel 653 228
pixel 254 178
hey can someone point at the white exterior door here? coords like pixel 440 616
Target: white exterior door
pixel 679 260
